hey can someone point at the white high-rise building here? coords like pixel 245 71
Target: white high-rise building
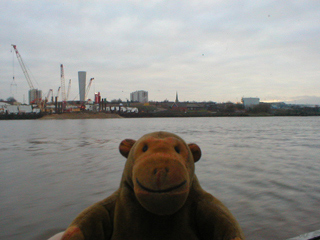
pixel 250 102
pixel 139 96
pixel 82 75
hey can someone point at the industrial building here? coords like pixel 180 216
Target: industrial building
pixel 250 102
pixel 139 96
pixel 82 75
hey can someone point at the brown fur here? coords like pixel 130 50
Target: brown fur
pixel 159 198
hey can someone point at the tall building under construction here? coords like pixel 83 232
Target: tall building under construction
pixel 82 75
pixel 35 96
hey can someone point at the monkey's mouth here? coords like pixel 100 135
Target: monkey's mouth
pixel 162 190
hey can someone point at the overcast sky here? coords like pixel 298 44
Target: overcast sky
pixel 205 50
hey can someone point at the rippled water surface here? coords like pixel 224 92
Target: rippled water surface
pixel 266 170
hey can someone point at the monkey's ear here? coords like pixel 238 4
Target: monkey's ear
pixel 125 147
pixel 196 151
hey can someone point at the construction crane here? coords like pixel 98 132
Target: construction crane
pixel 26 74
pixel 63 87
pixel 88 88
pixel 13 83
pixel 48 95
pixel 24 69
pixel 58 92
pixel 69 87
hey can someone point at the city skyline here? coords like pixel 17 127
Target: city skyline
pixel 207 51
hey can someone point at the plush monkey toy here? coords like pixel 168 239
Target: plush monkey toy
pixel 159 198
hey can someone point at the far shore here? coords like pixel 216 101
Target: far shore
pixel 80 115
pixel 163 114
pixel 104 115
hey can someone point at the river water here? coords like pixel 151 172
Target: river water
pixel 265 170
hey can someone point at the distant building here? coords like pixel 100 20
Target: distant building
pixel 35 96
pixel 139 96
pixel 82 75
pixel 250 102
pixel 180 107
pixel 3 106
pixel 183 106
pixel 278 105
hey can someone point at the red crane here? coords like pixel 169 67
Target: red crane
pixel 88 88
pixel 37 97
pixel 58 92
pixel 48 95
pixel 24 69
pixel 63 86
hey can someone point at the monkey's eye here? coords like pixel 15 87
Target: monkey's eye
pixel 145 148
pixel 177 149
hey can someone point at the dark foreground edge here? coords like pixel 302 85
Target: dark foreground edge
pixel 20 116
pixel 308 236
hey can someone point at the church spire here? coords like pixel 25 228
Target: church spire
pixel 177 100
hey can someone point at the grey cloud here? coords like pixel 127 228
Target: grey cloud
pixel 206 50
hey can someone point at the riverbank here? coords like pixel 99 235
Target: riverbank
pixel 103 115
pixel 80 115
pixel 164 114
pixel 24 116
pixel 167 114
